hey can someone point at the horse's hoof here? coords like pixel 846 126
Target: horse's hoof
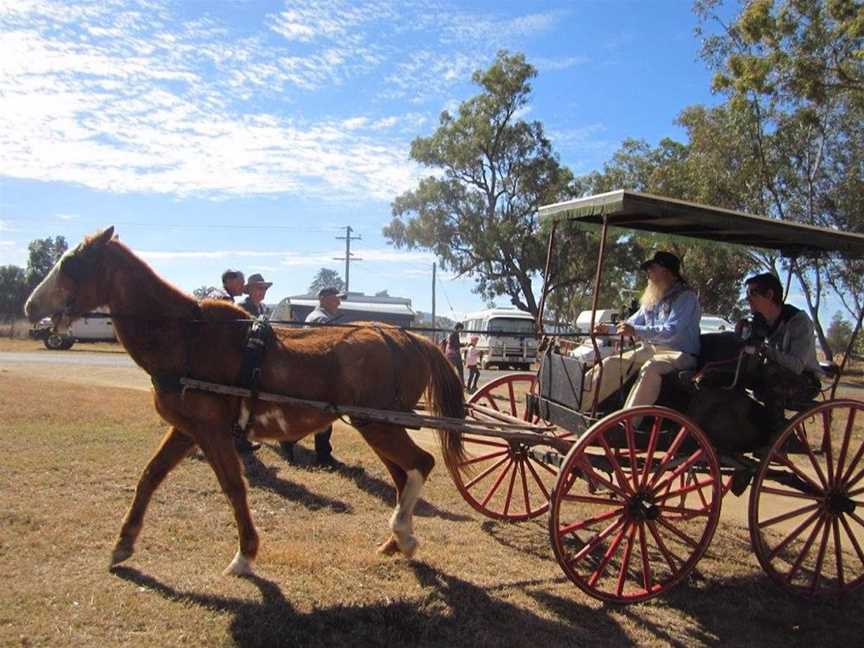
pixel 240 566
pixel 120 554
pixel 408 546
pixel 389 547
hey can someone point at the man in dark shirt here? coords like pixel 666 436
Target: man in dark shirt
pixel 327 312
pixel 233 283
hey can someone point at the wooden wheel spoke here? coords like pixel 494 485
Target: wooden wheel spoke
pixel 512 395
pixel 631 449
pixel 788 516
pixel 649 452
pixel 491 455
pixel 668 555
pixel 592 499
pixel 678 532
pixel 838 550
pixel 852 539
pixel 646 563
pixel 857 518
pixel 625 562
pixel 820 557
pixel 510 490
pixel 491 401
pixel 670 453
pixel 684 511
pixel 683 491
pixel 524 479
pixel 543 466
pixel 850 469
pixel 537 479
pixel 588 470
pixel 826 483
pixel 616 467
pixel 582 524
pixel 844 446
pixel 596 539
pixel 613 547
pixel 854 480
pixel 783 459
pixel 486 472
pixel 787 493
pixel 827 446
pixel 806 550
pixel 679 470
pixel 795 533
pixel 497 483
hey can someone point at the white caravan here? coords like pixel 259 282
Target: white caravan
pixel 516 351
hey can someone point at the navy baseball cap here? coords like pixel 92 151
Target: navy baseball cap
pixel 664 260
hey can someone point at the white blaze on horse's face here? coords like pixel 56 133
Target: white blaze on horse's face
pixel 49 297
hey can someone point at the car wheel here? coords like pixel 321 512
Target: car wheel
pixel 57 342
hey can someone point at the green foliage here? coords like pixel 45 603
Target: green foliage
pixel 44 253
pixel 202 291
pixel 839 333
pixel 478 213
pixel 326 278
pixel 13 292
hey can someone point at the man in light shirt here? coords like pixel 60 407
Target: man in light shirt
pixel 666 324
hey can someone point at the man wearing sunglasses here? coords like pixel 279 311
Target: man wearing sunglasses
pixel 791 369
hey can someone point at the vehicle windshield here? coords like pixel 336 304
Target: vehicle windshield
pixel 511 325
pixel 714 324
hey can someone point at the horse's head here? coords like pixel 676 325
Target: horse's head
pixel 75 284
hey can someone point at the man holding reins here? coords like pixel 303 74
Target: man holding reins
pixel 666 324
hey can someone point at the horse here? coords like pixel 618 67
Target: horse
pixel 171 335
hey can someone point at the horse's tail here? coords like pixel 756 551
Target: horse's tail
pixel 446 398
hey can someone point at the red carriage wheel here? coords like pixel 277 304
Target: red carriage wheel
pixel 618 526
pixel 807 502
pixel 504 479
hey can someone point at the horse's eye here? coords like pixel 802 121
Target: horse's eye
pixel 74 267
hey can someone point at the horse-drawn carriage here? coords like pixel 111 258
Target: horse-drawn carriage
pixel 633 495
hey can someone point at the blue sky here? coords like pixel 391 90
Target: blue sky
pixel 246 133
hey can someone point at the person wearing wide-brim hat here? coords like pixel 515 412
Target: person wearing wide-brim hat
pixel 667 328
pixel 327 312
pixel 256 289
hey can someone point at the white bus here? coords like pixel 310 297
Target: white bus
pixel 515 351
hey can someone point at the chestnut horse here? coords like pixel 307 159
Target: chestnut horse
pixel 170 335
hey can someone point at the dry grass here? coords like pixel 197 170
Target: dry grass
pixel 72 455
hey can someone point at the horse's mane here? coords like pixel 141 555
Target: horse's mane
pixel 146 279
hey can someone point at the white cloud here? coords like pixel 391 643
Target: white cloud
pixel 67 217
pixel 556 64
pixel 7 244
pixel 131 96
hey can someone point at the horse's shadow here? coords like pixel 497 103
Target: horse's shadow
pixel 264 476
pixel 260 475
pixel 452 612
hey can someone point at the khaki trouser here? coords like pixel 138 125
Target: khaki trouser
pixel 651 361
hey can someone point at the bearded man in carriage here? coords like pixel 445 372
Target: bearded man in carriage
pixel 667 326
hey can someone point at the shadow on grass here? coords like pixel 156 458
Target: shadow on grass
pixel 752 610
pixel 369 484
pixel 452 612
pixel 260 475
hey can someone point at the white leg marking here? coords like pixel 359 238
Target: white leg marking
pixel 243 419
pixel 402 521
pixel 240 566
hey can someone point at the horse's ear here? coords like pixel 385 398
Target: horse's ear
pixel 104 236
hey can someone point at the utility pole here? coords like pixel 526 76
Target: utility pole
pixel 348 258
pixel 434 333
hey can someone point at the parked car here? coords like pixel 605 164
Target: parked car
pixel 714 324
pixel 92 327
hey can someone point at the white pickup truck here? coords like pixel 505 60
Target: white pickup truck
pixel 91 327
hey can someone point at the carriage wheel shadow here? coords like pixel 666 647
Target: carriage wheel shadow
pixel 451 612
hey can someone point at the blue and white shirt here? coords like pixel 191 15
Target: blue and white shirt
pixel 673 322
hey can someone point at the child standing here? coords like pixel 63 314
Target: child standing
pixel 472 361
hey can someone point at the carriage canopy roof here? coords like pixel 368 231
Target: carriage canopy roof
pixel 649 213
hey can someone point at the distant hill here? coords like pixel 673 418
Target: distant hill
pixel 425 319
